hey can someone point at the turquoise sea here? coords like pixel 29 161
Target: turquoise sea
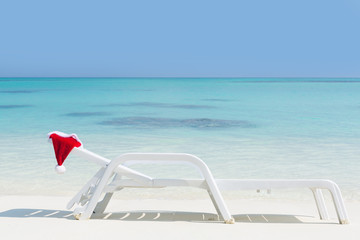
pixel 242 128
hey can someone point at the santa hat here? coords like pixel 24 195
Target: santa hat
pixel 63 144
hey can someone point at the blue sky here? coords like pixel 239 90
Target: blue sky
pixel 258 38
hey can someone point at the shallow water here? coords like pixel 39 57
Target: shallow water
pixel 242 128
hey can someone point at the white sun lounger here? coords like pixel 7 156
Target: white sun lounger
pixel 114 176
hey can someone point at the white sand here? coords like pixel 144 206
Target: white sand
pixel 35 217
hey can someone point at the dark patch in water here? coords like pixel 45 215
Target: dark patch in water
pixel 213 123
pixel 162 105
pixel 127 90
pixel 14 106
pixel 216 100
pixel 86 114
pixel 147 122
pixel 18 91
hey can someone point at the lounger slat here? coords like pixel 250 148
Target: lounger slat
pixel 247 184
pixel 156 183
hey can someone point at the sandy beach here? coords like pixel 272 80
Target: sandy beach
pixel 216 120
pixel 45 217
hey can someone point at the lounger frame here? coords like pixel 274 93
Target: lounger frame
pixel 114 175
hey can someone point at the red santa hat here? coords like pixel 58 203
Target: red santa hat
pixel 63 144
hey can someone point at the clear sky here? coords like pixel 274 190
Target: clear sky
pixel 184 38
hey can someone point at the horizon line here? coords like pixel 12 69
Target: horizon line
pixel 195 77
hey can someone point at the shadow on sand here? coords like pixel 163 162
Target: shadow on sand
pixel 163 216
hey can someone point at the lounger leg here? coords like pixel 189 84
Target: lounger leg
pixel 320 203
pixel 339 204
pixel 214 203
pixel 219 203
pixel 101 206
pixel 85 188
pixel 89 208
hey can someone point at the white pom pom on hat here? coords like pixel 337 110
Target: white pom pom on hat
pixel 60 169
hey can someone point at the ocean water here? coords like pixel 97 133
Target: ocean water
pixel 242 128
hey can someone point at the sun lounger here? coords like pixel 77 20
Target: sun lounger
pixel 115 175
